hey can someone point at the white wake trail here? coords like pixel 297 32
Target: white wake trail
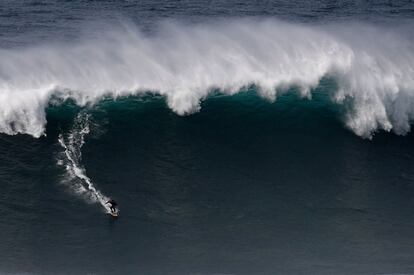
pixel 76 177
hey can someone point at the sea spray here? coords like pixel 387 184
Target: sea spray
pixel 71 159
pixel 373 67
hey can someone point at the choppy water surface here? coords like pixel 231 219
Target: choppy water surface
pixel 270 137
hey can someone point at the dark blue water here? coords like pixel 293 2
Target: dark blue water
pixel 244 186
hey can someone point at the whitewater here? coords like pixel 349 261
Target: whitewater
pixel 76 178
pixel 372 66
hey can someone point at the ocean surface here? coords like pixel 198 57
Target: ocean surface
pixel 238 137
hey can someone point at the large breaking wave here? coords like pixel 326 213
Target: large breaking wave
pixel 373 68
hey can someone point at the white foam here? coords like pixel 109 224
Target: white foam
pixel 374 68
pixel 76 177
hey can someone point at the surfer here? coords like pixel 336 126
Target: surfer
pixel 112 205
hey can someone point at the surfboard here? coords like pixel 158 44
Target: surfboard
pixel 114 214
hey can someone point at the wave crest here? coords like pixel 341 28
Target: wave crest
pixel 373 67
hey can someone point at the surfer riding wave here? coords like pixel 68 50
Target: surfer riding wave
pixel 71 158
pixel 112 205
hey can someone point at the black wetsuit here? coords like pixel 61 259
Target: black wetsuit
pixel 113 205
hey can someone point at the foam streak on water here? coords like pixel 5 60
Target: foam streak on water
pixel 76 177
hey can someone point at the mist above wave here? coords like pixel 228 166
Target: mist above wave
pixel 373 68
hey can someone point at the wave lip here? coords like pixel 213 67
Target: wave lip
pixel 373 67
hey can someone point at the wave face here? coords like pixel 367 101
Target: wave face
pixel 76 178
pixel 373 69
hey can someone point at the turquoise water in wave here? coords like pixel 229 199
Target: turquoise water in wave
pixel 213 174
pixel 244 187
